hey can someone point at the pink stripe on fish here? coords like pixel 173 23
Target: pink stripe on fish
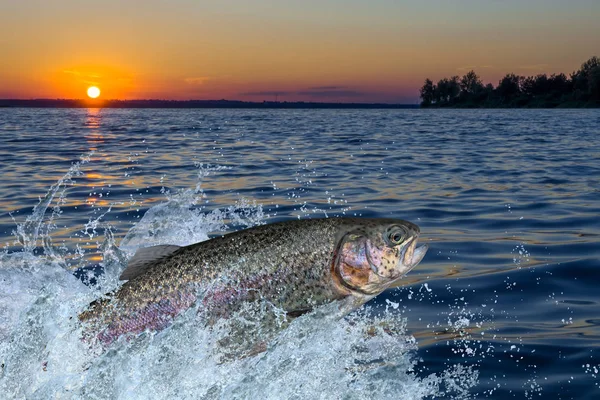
pixel 155 317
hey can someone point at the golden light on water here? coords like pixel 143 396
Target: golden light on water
pixel 93 92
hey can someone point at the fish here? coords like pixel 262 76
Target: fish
pixel 294 266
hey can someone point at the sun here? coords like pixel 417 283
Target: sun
pixel 93 92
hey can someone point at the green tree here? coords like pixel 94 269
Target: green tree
pixel 579 89
pixel 447 90
pixel 509 87
pixel 470 83
pixel 427 93
pixel 594 83
pixel 591 71
pixel 453 88
pixel 528 85
pixel 535 85
pixel 584 79
pixel 559 85
pixel 441 92
pixel 590 64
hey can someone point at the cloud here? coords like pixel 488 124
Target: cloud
pixel 266 93
pixel 331 93
pixel 318 92
pixel 71 72
pixel 77 73
pixel 534 66
pixel 87 78
pixel 196 80
pixel 327 88
pixel 473 67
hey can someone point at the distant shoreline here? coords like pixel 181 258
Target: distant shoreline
pixel 525 106
pixel 75 103
pixel 581 89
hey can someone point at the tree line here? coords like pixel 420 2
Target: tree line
pixel 579 89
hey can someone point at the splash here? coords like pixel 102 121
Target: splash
pixel 368 354
pixel 29 232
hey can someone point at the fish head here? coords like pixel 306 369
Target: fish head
pixel 375 255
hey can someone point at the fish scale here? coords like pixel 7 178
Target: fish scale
pixel 293 265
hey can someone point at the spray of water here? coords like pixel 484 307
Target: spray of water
pixel 367 354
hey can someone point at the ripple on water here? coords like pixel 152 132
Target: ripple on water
pixel 507 199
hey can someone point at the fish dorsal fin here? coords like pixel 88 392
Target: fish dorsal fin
pixel 145 258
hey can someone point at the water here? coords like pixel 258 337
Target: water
pixel 504 305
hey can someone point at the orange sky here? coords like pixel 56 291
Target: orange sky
pixel 328 50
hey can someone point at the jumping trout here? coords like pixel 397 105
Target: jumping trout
pixel 295 266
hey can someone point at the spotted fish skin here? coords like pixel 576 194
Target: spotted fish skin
pixel 294 265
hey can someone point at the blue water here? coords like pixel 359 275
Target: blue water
pixel 504 305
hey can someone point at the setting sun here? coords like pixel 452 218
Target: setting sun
pixel 93 92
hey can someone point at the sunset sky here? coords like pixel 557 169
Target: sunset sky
pixel 326 50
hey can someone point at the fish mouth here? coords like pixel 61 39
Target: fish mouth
pixel 413 255
pixel 418 255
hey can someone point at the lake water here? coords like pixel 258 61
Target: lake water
pixel 506 304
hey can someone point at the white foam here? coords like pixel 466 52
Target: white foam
pixel 317 356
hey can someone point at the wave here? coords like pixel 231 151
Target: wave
pixel 368 354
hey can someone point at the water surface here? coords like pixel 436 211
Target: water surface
pixel 504 305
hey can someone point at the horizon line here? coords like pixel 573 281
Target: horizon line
pixel 222 103
pixel 190 100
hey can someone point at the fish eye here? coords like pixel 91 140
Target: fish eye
pixel 396 236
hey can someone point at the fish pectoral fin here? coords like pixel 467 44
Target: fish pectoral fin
pixel 144 258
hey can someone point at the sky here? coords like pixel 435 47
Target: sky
pixel 310 50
